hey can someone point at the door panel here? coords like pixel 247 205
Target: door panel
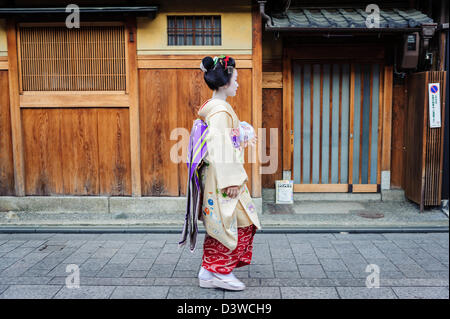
pixel 335 122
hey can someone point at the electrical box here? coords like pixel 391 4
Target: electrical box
pixel 410 56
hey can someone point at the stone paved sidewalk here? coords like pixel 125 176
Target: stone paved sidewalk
pixel 286 266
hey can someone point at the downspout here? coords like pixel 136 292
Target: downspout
pixel 265 17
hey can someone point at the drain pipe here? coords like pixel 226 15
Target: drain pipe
pixel 265 17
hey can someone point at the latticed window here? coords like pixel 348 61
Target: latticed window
pixel 56 58
pixel 194 30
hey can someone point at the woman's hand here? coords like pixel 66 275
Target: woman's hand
pixel 232 191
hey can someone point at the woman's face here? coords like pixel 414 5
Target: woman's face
pixel 231 87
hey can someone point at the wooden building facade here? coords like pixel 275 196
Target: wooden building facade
pixel 99 110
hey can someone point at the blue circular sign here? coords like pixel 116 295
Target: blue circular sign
pixel 434 89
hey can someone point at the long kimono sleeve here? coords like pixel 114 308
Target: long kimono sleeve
pixel 225 159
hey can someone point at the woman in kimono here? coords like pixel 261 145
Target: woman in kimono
pixel 228 213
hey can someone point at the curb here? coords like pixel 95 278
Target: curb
pixel 267 230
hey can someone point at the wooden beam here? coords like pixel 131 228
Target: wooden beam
pixel 387 118
pixel 3 63
pixel 256 96
pixel 16 121
pixel 320 188
pixel 287 101
pixel 272 80
pixel 74 100
pixel 364 188
pixel 133 90
pixel 185 62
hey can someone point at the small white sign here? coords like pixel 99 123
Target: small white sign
pixel 434 99
pixel 284 192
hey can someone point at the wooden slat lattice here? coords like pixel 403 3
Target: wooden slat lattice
pixel 55 58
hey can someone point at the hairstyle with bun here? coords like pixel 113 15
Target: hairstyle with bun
pixel 217 71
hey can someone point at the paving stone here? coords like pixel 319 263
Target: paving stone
pixel 33 243
pixel 345 248
pixel 184 273
pixel 261 258
pixel 421 292
pixel 130 248
pixel 371 252
pixel 93 265
pixel 287 274
pixel 285 265
pixel 155 243
pixel 305 248
pixel 113 244
pixel 261 271
pixel 309 293
pixel 5 262
pixel 281 252
pixel 311 271
pixel 141 264
pixel 413 271
pixel 254 293
pixel 77 258
pixel 30 292
pixel 326 253
pixel 307 259
pixel 391 275
pixel 111 270
pixel 3 288
pixel 365 293
pixel 140 292
pixel 148 253
pixel 105 253
pixel 196 292
pixel 22 280
pixel 188 264
pixel 85 292
pixel 134 273
pixel 105 281
pixel 161 270
pixel 123 258
pixel 332 264
pixel 321 244
pixel 167 259
pixel 338 274
pixel 431 264
pixel 384 264
pixel 161 281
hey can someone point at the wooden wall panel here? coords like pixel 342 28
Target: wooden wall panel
pixel 42 151
pixel 163 108
pixel 76 151
pixel 6 156
pixel 398 127
pixel 79 142
pixel 158 117
pixel 272 110
pixel 242 105
pixel 415 117
pixel 114 152
pixel 189 100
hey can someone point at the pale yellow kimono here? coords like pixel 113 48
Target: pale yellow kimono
pixel 221 215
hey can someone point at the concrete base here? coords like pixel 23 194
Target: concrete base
pixel 98 204
pixel 393 195
pixel 268 195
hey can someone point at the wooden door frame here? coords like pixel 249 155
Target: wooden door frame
pixel 320 52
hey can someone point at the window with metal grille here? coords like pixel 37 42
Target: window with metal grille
pixel 56 58
pixel 194 30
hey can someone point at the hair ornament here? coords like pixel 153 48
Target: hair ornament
pixel 202 67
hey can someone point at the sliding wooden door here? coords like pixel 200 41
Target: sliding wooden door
pixel 336 126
